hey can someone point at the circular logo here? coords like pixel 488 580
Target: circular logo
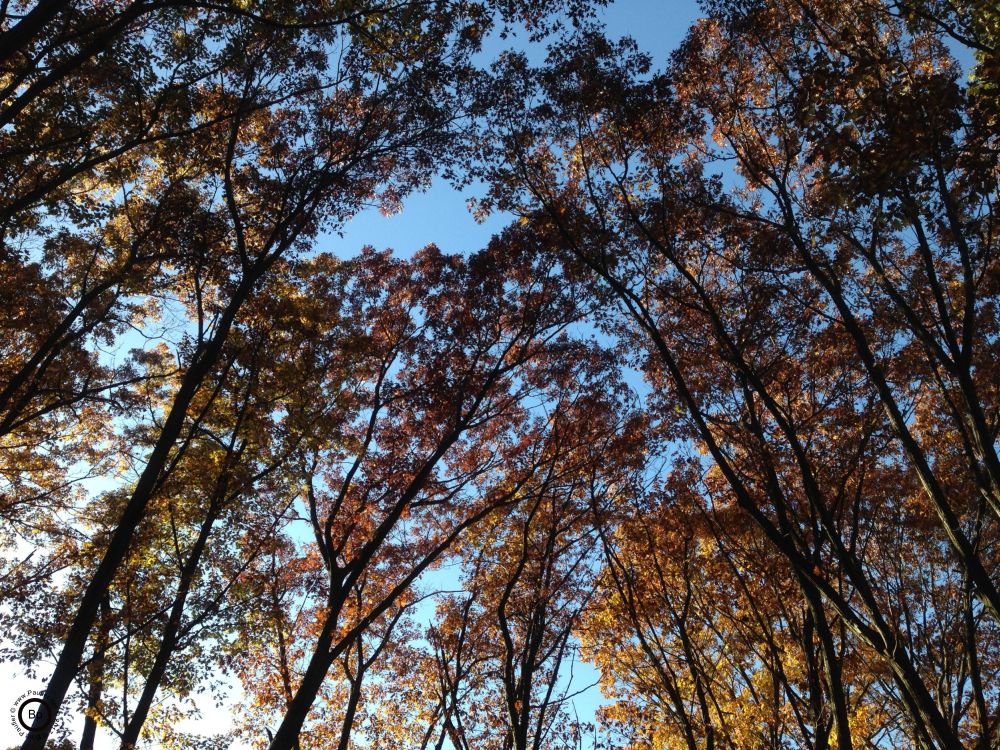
pixel 34 713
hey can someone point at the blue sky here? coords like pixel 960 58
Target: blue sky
pixel 439 215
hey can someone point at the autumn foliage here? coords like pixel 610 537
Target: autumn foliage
pixel 700 452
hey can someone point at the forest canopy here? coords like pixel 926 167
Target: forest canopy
pixel 699 452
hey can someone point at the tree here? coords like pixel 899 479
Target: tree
pixel 809 310
pixel 256 139
pixel 454 352
pixel 504 649
pixel 400 499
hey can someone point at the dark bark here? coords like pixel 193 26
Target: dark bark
pixel 16 38
pixel 96 680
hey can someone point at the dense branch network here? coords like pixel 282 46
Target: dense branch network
pixel 712 425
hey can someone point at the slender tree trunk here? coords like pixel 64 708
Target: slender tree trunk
pixel 96 680
pixel 287 736
pixel 831 664
pixel 353 700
